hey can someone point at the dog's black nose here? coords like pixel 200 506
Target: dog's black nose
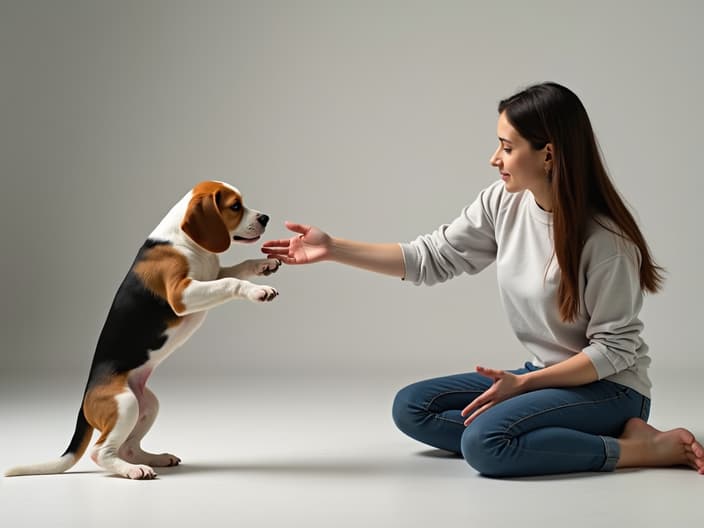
pixel 263 220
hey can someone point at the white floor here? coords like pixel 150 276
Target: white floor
pixel 310 453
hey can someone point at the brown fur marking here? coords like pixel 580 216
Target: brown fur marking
pixel 209 219
pixel 164 272
pixel 231 218
pixel 100 407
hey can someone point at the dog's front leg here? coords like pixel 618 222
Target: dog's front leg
pixel 198 296
pixel 251 268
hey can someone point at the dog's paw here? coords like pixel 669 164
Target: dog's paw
pixel 265 266
pixel 163 460
pixel 140 472
pixel 262 294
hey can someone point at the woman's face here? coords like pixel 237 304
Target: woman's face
pixel 520 165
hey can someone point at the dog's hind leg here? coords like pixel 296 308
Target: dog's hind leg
pixel 131 449
pixel 113 409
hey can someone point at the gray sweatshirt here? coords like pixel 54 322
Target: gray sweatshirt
pixel 513 231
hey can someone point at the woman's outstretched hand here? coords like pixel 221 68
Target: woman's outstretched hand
pixel 310 245
pixel 506 385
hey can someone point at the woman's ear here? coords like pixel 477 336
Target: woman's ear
pixel 547 163
pixel 548 152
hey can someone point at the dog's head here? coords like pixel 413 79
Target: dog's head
pixel 216 215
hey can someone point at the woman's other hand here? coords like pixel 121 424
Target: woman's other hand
pixel 506 385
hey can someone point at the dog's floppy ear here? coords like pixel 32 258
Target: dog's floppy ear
pixel 204 224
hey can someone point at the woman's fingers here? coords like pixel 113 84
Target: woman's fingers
pixel 476 413
pixel 487 399
pixel 280 255
pixel 281 249
pixel 297 228
pixel 275 251
pixel 276 244
pixel 478 402
pixel 470 407
pixel 488 394
pixel 489 372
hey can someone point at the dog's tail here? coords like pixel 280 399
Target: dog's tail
pixel 79 443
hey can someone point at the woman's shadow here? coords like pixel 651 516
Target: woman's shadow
pixel 361 468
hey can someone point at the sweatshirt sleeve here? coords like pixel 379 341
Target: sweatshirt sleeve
pixel 467 245
pixel 613 299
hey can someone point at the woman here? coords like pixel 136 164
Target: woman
pixel 572 267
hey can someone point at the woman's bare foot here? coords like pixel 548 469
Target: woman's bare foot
pixel 643 445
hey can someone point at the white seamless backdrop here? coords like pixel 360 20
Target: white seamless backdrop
pixel 374 120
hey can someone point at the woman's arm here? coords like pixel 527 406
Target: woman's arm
pixel 380 258
pixel 577 370
pixel 466 245
pixel 313 245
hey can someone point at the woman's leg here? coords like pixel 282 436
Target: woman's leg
pixel 556 430
pixel 429 410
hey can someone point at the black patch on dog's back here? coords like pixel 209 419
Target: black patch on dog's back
pixel 136 323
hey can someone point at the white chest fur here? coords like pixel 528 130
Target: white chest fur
pixel 176 336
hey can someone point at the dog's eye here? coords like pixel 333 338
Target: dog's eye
pixel 236 206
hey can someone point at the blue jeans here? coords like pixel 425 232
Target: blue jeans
pixel 547 431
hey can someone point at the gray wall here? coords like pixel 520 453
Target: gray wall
pixel 374 120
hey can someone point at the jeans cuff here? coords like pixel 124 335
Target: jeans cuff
pixel 613 453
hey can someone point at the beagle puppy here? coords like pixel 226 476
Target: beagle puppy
pixel 173 282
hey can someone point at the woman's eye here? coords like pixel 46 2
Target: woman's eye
pixel 507 150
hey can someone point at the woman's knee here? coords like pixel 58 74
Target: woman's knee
pixel 485 449
pixel 408 410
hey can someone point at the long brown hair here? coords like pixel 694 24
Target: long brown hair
pixel 581 188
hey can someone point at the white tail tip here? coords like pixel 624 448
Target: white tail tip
pixel 47 468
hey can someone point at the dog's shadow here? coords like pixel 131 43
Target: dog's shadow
pixel 317 467
pixel 283 468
